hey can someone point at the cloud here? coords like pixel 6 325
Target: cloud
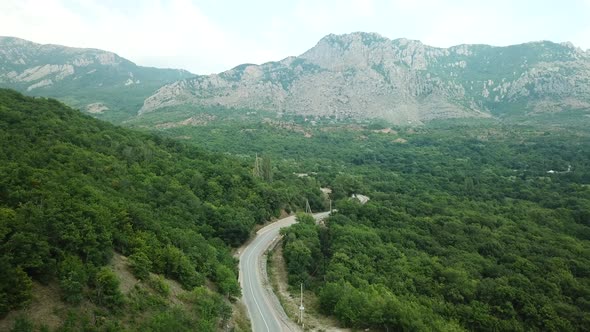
pixel 364 8
pixel 175 29
pixel 207 37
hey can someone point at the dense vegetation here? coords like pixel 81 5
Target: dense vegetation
pixel 465 229
pixel 477 225
pixel 74 190
pixel 472 224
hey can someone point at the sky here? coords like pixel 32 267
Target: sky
pixel 209 36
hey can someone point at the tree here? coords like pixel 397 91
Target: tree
pixel 72 279
pixel 266 169
pixel 140 265
pixel 227 281
pixel 298 257
pixel 15 287
pixel 106 290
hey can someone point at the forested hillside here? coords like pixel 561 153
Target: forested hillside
pixel 481 227
pixel 75 190
pixel 471 225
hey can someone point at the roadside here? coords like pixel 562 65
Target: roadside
pixel 277 273
pixel 239 321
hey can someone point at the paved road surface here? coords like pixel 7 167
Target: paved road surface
pixel 264 310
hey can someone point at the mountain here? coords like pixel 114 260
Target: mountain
pixel 365 75
pixel 93 80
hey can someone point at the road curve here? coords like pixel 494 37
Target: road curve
pixel 266 314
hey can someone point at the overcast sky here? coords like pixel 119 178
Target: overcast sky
pixel 206 36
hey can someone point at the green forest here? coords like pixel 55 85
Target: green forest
pixel 483 227
pixel 471 224
pixel 74 191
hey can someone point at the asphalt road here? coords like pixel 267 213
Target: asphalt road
pixel 266 314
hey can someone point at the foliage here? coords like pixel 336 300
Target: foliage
pixel 466 227
pixel 72 279
pixel 74 189
pixel 140 265
pixel 107 289
pixel 22 324
pixel 158 284
pixel 301 249
pixel 466 230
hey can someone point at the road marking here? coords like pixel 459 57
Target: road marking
pixel 262 237
pixel 252 290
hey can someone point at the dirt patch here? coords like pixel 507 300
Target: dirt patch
pixel 176 291
pixel 239 320
pixel 47 309
pixel 314 321
pixel 197 120
pixel 44 308
pixel 120 265
pixel 96 108
pixel 385 131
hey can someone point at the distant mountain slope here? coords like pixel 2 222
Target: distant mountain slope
pixel 93 80
pixel 364 75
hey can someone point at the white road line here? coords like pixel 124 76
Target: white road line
pixel 249 260
pixel 262 238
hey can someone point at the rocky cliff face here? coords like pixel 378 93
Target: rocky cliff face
pixel 82 77
pixel 364 75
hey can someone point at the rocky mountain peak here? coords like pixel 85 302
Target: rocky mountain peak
pixel 364 50
pixel 364 75
pixel 356 75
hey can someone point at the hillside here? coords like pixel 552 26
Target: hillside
pixel 96 81
pixel 483 226
pixel 75 190
pixel 364 75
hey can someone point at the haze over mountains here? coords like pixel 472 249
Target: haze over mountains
pixel 93 80
pixel 358 75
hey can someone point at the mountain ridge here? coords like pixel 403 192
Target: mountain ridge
pixel 366 75
pixel 91 79
pixel 358 75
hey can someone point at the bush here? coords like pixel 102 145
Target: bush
pixel 158 284
pixel 107 289
pixel 140 265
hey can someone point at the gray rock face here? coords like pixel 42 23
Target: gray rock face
pixel 364 75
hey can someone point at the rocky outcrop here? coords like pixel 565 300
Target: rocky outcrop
pixel 364 75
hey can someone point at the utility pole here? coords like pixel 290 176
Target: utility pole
pixel 301 308
pixel 307 207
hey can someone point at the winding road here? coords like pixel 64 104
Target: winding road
pixel 264 309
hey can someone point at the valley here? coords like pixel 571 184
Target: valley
pixel 476 160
